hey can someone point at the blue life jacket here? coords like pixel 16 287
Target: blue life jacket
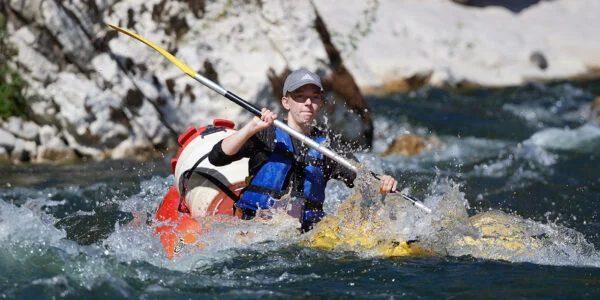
pixel 267 185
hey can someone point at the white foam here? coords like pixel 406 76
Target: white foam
pixel 581 139
pixel 136 241
pixel 444 231
pixel 28 227
pixel 523 159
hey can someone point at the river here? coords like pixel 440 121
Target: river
pixel 81 230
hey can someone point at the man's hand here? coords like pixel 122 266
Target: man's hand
pixel 267 118
pixel 233 143
pixel 387 184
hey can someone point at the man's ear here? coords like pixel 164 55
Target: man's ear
pixel 285 101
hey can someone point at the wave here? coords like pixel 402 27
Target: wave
pixel 584 139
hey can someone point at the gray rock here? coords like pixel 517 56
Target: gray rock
pixel 4 156
pixel 82 149
pixel 101 91
pixel 23 129
pixel 594 111
pixel 47 133
pixel 75 43
pixel 105 66
pixel 14 124
pixel 7 140
pixel 53 148
pixel 37 66
pixel 97 99
pixel 23 151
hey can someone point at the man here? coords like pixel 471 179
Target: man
pixel 283 171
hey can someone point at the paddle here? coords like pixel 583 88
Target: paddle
pixel 254 110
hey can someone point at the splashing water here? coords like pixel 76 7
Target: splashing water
pixel 374 225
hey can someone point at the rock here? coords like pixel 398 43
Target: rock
pixel 23 151
pixel 411 144
pixel 340 81
pixel 23 129
pixel 407 145
pixel 43 109
pixel 40 68
pixel 133 149
pixel 596 103
pixel 7 140
pixel 248 47
pixel 83 150
pixel 99 88
pixel 55 151
pixel 105 66
pixel 71 92
pixel 4 156
pixel 461 45
pixel 595 110
pixel 62 29
pixel 47 133
pixel 52 147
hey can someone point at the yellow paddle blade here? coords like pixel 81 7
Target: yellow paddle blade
pixel 185 68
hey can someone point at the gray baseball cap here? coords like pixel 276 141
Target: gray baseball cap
pixel 299 78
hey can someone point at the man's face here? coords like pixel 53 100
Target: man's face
pixel 303 104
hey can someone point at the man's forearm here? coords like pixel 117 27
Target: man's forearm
pixel 232 144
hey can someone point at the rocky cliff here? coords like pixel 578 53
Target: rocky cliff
pixel 95 94
pixel 400 45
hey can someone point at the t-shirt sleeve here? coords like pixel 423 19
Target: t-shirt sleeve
pixel 342 173
pixel 256 143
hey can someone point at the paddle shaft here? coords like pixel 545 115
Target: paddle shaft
pixel 254 110
pixel 298 135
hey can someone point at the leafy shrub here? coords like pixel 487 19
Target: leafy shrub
pixel 12 85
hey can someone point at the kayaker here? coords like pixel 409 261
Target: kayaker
pixel 284 172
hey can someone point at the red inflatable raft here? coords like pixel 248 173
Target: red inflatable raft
pixel 201 189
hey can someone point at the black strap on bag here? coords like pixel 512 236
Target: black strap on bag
pixel 183 184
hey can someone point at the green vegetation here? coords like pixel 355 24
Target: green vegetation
pixel 12 85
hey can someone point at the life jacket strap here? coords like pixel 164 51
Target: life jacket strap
pixel 271 178
pixel 271 192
